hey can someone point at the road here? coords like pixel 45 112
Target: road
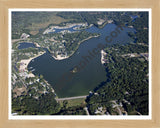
pixel 15 40
pixel 116 105
pixel 21 81
pixel 71 98
pixel 86 109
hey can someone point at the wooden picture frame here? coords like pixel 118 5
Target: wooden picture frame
pixel 4 63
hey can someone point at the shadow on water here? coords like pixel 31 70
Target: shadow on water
pixel 104 82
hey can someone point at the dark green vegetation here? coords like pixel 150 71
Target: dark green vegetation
pixel 73 40
pixel 45 105
pixel 28 22
pixel 76 110
pixel 141 26
pixel 32 22
pixel 27 105
pixel 72 107
pixel 20 54
pixel 126 65
pixel 127 76
pixel 35 23
pixel 127 80
pixel 119 18
pixel 89 17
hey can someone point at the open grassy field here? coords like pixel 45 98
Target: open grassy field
pixel 74 102
pixel 53 19
pixel 32 22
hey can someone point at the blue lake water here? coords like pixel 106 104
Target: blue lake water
pixel 57 72
pixel 133 17
pixel 70 29
pixel 26 45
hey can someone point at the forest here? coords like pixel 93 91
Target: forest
pixel 45 105
pixel 127 66
pixel 141 26
pixel 73 40
pixel 127 78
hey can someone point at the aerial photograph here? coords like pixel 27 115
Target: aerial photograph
pixel 80 63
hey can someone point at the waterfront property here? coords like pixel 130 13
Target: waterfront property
pixel 58 73
pixel 80 63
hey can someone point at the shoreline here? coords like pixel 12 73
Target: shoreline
pixel 102 56
pixel 24 63
pixel 62 58
pixel 88 38
pixel 67 26
pixel 86 27
pixel 52 28
pixel 36 44
pixel 49 85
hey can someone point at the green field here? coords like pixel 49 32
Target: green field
pixel 31 23
pixel 74 102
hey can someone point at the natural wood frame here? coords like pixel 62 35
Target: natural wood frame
pixel 6 4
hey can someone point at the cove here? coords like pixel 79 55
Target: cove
pixel 92 74
pixel 26 45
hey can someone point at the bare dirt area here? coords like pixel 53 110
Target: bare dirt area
pixel 19 91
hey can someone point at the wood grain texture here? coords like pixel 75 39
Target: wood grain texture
pixel 6 4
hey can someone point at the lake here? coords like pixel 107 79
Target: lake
pixel 69 29
pixel 86 79
pixel 26 45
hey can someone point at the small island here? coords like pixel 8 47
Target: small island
pixel 115 80
pixel 74 70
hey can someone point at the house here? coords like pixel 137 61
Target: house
pixel 24 36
